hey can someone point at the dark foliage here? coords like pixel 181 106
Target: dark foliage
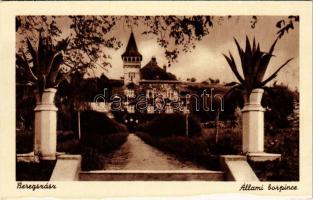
pixel 100 136
pixel 280 101
pixel 104 143
pixel 104 137
pixel 96 147
pixel 90 36
pixel 285 142
pixel 34 171
pixel 99 123
pixel 184 148
pixel 205 107
pixel 24 141
pixel 91 159
pixel 229 142
pixel 171 124
pixel 25 104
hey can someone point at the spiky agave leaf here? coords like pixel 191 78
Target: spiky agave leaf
pixel 22 62
pixel 254 45
pixel 47 59
pixel 232 64
pixel 63 44
pixel 241 52
pixel 236 87
pixel 55 67
pixel 254 64
pixel 275 73
pixel 265 61
pixel 34 56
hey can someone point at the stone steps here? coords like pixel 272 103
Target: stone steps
pixel 142 175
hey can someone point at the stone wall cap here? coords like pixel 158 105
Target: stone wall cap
pixel 252 107
pixel 50 90
pixel 45 107
pixel 257 90
pixel 233 157
pixel 69 157
pixel 263 156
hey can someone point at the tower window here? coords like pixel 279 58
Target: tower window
pixel 131 75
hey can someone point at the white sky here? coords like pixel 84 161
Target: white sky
pixel 206 60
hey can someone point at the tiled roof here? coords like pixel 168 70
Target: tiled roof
pixel 152 71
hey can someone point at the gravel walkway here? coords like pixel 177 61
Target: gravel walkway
pixel 135 154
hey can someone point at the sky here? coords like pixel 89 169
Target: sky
pixel 206 60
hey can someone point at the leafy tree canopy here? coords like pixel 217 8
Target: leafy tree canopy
pixel 91 36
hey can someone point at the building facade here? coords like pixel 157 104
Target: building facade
pixel 150 89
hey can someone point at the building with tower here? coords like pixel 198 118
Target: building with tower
pixel 131 62
pixel 152 81
pixel 146 90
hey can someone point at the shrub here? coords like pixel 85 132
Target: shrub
pixel 91 159
pixel 104 143
pixel 96 147
pixel 279 108
pixel 96 122
pixel 71 146
pixel 285 142
pixel 24 141
pixel 229 141
pixel 100 136
pixel 171 124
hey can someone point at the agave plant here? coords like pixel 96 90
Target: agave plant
pixel 43 68
pixel 254 64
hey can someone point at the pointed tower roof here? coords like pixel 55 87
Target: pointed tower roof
pixel 131 49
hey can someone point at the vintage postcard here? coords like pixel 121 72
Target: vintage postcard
pixel 133 99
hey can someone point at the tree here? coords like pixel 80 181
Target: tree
pixel 90 35
pixel 178 34
pixel 83 48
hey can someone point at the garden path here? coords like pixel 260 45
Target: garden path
pixel 135 154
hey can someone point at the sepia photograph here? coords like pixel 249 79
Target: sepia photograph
pixel 160 100
pixel 157 98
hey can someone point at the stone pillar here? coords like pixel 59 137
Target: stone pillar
pixel 253 123
pixel 46 126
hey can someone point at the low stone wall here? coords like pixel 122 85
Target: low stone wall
pixel 67 168
pixel 26 157
pixel 237 168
